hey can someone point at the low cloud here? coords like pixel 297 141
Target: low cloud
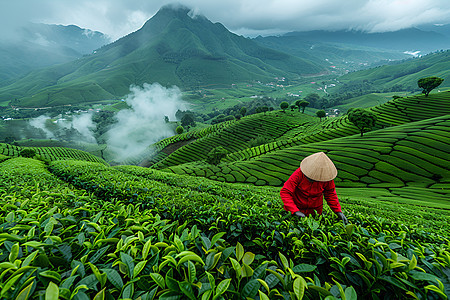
pixel 143 123
pixel 120 17
pixel 40 123
pixel 78 128
pixel 84 125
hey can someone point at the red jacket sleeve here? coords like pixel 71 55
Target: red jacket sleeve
pixel 287 191
pixel 329 192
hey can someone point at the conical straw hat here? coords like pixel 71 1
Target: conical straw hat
pixel 319 167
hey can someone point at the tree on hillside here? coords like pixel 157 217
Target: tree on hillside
pixel 297 103
pixel 303 104
pixel 187 120
pixel 321 114
pixel 362 119
pixel 284 105
pixel 179 130
pixel 216 155
pixel 264 109
pixel 30 153
pixel 427 84
pixel 313 99
pixel 243 111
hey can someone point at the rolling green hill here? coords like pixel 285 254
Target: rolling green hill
pixel 410 147
pixel 405 74
pixel 172 48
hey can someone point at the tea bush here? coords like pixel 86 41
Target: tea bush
pixel 64 242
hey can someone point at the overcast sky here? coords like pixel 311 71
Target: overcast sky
pixel 247 17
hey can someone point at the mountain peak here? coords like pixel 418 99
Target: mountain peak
pixel 180 11
pixel 175 7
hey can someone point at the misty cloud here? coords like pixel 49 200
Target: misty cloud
pixel 84 125
pixel 249 17
pixel 143 123
pixel 40 123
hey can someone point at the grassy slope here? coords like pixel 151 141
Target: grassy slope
pixel 406 73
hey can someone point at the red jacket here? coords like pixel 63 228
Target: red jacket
pixel 299 194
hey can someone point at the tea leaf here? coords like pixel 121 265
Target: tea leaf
pixel 14 252
pixel 222 287
pixel 114 277
pixel 248 258
pixel 239 251
pixel 299 287
pixel 217 237
pixel 100 295
pixel 158 279
pixel 52 292
pixel 191 272
pixel 26 292
pixel 138 268
pixel 186 288
pixel 263 296
pixel 436 290
pixel 350 294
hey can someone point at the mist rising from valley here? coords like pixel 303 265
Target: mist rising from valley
pixel 132 130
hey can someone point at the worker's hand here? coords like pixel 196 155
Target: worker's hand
pixel 342 217
pixel 299 214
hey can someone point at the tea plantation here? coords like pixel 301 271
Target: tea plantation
pixel 74 227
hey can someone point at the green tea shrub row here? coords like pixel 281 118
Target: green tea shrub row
pixel 105 250
pixel 111 249
pixel 311 237
pixel 154 154
pixel 49 153
pixel 395 112
pixel 235 137
pixel 404 155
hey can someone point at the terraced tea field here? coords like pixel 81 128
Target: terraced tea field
pixel 73 227
pixel 49 153
pixel 234 137
pixel 410 154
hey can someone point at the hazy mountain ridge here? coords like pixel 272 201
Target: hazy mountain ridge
pixel 36 46
pixel 172 48
pixel 411 39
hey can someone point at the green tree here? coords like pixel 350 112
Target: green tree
pixel 303 104
pixel 216 155
pixel 187 120
pixel 313 99
pixel 362 119
pixel 179 129
pixel 9 140
pixel 30 153
pixel 243 111
pixel 321 114
pixel 264 109
pixel 297 103
pixel 284 105
pixel 427 84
